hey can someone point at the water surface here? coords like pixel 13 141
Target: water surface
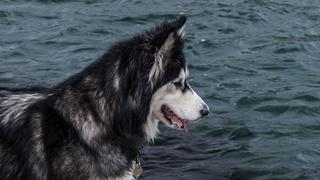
pixel 255 62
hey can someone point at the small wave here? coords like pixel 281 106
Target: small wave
pixel 281 109
pixel 201 67
pixel 101 31
pixel 144 18
pixel 219 132
pixel 242 70
pixel 241 133
pixel 307 98
pixel 287 50
pixel 251 100
pixel 274 68
pixel 65 1
pixel 84 49
pixel 227 30
pixel 248 174
pixel 230 85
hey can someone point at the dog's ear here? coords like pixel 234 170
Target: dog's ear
pixel 167 37
pixel 179 26
pixel 173 32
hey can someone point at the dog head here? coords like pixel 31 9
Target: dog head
pixel 173 100
pixel 151 75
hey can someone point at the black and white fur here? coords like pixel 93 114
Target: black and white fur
pixel 92 125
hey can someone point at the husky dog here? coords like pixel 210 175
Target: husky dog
pixel 92 125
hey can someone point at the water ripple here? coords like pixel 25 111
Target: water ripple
pixel 281 109
pixel 255 62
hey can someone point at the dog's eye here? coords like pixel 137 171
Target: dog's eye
pixel 178 84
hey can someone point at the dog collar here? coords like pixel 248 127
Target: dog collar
pixel 137 171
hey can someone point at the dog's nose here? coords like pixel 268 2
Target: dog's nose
pixel 204 111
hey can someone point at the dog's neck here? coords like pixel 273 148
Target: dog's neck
pixel 102 109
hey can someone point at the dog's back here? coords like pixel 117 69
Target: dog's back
pixel 13 110
pixel 12 107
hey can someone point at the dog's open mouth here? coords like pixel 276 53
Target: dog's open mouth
pixel 173 119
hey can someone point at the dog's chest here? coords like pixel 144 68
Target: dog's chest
pixel 109 164
pixel 126 175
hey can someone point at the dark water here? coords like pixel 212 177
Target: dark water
pixel 256 63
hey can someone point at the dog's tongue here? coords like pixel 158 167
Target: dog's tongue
pixel 180 123
pixel 176 121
